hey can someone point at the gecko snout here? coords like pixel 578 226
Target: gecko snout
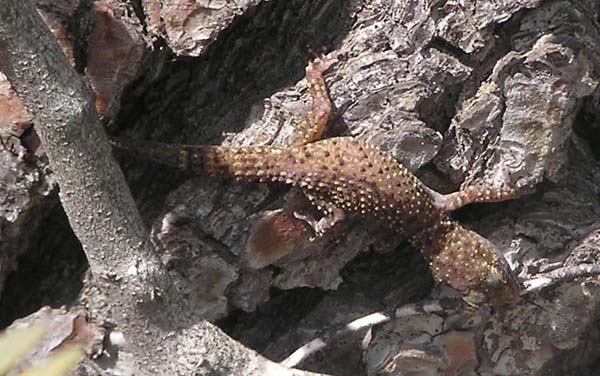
pixel 498 283
pixel 473 266
pixel 502 284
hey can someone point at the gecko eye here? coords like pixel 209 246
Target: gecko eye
pixel 501 285
pixel 474 267
pixel 487 276
pixel 501 288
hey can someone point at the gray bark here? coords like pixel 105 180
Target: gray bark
pixel 128 286
pixel 460 92
pixel 490 91
pixel 92 188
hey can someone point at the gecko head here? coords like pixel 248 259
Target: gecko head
pixel 499 287
pixel 473 266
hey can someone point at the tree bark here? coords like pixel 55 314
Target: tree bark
pixel 459 92
pixel 128 285
pixel 93 190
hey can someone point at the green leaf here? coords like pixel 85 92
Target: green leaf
pixel 16 344
pixel 59 364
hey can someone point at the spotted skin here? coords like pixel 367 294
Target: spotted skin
pixel 347 174
pixel 312 127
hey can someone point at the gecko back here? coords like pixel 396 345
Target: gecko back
pixel 343 171
pixel 359 179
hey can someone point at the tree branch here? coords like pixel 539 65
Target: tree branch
pixel 93 191
pixel 129 286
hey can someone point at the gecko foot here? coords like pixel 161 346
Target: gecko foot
pixel 321 64
pixel 323 225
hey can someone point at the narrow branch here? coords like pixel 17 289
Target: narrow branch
pixel 332 335
pixel 129 285
pixel 93 191
pixel 221 355
pixel 563 274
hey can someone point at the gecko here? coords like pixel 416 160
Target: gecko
pixel 347 175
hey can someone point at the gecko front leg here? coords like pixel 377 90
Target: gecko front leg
pixel 312 127
pixel 499 190
pixel 475 194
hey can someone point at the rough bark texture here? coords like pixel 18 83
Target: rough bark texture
pixel 106 222
pixel 127 285
pixel 501 92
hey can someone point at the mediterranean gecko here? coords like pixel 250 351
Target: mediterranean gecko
pixel 344 174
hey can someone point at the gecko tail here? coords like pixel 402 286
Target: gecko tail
pixel 241 163
pixel 166 154
pixel 246 163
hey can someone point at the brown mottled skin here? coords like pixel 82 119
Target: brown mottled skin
pixel 345 173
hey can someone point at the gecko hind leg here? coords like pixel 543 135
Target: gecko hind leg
pixel 312 127
pixel 332 216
